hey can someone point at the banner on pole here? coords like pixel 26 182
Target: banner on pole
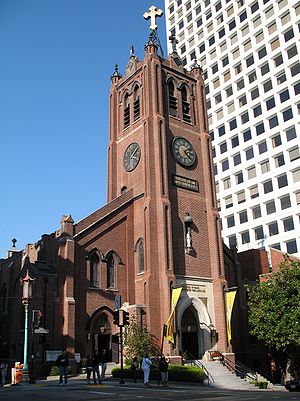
pixel 230 297
pixel 171 329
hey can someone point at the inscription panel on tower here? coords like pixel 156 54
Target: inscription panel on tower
pixel 185 182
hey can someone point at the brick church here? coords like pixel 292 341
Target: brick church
pixel 159 230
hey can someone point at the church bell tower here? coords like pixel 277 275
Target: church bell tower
pixel 160 150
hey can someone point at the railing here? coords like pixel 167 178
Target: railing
pixel 190 359
pixel 240 370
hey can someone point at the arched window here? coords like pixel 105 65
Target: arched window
pixel 172 99
pixel 136 103
pixel 126 111
pixel 186 107
pixel 141 259
pixel 111 272
pixel 94 270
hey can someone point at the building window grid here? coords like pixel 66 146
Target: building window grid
pixel 278 116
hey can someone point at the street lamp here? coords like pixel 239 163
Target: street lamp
pixel 27 283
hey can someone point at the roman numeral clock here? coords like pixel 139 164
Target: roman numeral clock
pixel 183 151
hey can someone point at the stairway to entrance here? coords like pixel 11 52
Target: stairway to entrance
pixel 223 378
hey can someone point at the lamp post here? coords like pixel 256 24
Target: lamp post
pixel 27 283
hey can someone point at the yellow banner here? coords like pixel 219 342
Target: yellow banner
pixel 171 320
pixel 230 297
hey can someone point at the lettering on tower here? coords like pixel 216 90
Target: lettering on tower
pixel 186 183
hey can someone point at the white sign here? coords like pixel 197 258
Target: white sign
pixel 41 331
pixel 77 357
pixel 51 356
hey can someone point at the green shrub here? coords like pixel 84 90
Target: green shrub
pixel 54 371
pixel 176 373
pixel 262 384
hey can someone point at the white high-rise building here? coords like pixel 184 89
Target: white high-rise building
pixel 249 52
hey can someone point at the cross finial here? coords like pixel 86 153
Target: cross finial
pixel 174 42
pixel 153 14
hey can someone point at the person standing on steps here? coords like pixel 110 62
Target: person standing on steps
pixel 62 362
pixel 146 366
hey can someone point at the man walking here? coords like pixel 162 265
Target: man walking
pixel 63 362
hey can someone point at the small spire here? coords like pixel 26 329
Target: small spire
pixel 153 39
pixel 116 73
pixel 131 51
pixel 195 65
pixel 174 42
pixel 14 243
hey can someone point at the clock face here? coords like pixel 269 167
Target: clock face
pixel 183 151
pixel 132 156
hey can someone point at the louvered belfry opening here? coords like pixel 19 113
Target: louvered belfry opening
pixel 126 111
pixel 172 100
pixel 136 104
pixel 185 106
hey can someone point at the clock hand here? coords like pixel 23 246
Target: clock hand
pixel 133 153
pixel 187 152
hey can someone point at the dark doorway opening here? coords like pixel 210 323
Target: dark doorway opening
pixel 189 333
pixel 102 335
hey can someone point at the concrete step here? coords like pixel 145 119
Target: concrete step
pixel 224 378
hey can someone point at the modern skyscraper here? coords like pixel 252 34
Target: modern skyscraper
pixel 249 52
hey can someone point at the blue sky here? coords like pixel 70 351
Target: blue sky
pixel 56 60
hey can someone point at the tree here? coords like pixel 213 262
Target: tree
pixel 139 341
pixel 274 311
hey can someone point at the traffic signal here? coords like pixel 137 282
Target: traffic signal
pixel 116 317
pixel 40 319
pixel 125 318
pixel 37 318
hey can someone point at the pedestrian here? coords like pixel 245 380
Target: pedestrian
pixel 62 362
pixel 103 364
pixel 88 368
pixel 95 367
pixel 134 367
pixel 146 365
pixel 163 369
pixel 3 369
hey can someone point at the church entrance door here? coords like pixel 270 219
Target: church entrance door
pixel 102 335
pixel 190 333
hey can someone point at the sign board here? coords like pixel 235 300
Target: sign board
pixel 117 302
pixel 51 356
pixel 115 352
pixel 186 183
pixel 41 331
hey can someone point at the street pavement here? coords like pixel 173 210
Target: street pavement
pixel 111 390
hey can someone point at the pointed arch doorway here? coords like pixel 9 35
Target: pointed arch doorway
pixel 101 334
pixel 190 332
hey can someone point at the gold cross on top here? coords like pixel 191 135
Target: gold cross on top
pixel 153 14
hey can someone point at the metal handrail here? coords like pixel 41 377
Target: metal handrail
pixel 240 371
pixel 209 377
pixel 195 362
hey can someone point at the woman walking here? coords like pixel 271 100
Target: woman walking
pixel 146 365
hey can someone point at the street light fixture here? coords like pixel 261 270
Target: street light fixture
pixel 27 283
